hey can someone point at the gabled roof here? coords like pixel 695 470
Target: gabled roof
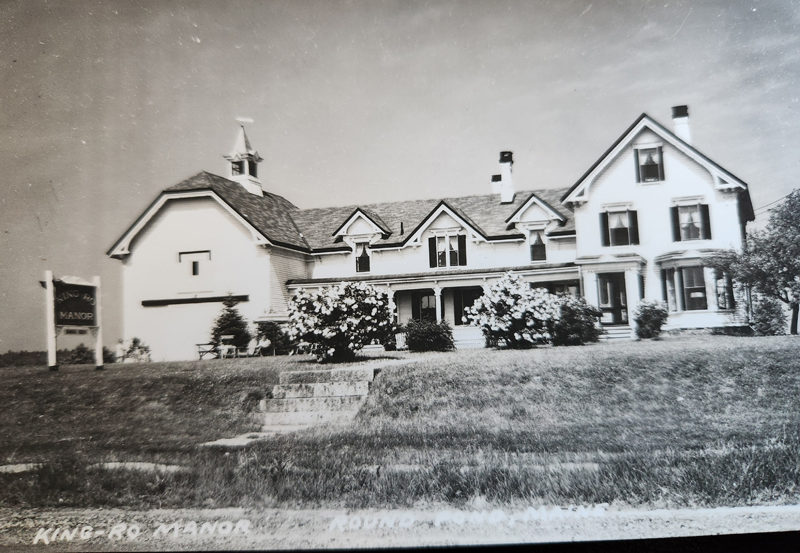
pixel 483 213
pixel 645 121
pixel 369 215
pixel 270 215
pixel 534 199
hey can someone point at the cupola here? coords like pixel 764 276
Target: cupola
pixel 244 162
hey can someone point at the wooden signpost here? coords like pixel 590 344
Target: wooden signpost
pixel 72 302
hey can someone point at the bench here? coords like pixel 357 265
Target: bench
pixel 206 349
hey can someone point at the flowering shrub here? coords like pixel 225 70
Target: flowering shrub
pixel 577 324
pixel 650 316
pixel 429 336
pixel 515 313
pixel 340 320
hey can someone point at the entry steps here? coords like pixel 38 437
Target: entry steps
pixel 617 333
pixel 303 398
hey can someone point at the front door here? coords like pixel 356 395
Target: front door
pixel 612 300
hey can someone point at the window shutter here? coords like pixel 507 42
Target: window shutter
pixel 604 228
pixel 680 293
pixel 705 224
pixel 660 163
pixel 432 251
pixel 676 225
pixel 633 224
pixel 462 249
pixel 664 285
pixel 636 163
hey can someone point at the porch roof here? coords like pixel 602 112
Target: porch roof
pixel 437 275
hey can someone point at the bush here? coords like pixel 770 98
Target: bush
pixel 230 322
pixel 137 351
pixel 281 341
pixel 81 355
pixel 577 324
pixel 429 336
pixel 515 313
pixel 650 316
pixel 340 320
pixel 768 318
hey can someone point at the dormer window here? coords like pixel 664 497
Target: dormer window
pixel 538 248
pixel 447 250
pixel 237 167
pixel 362 259
pixel 649 164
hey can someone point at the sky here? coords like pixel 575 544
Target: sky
pixel 103 104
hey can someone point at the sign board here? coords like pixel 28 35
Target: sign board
pixel 75 304
pixel 72 302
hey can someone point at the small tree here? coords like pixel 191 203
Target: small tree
pixel 340 320
pixel 650 316
pixel 768 318
pixel 230 322
pixel 515 313
pixel 577 323
pixel 770 260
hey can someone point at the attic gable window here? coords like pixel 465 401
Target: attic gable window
pixel 619 228
pixel 362 259
pixel 649 164
pixel 193 259
pixel 447 251
pixel 690 222
pixel 538 247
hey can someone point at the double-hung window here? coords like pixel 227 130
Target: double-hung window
pixel 649 164
pixel 362 258
pixel 538 247
pixel 685 288
pixel 448 250
pixel 619 228
pixel 690 222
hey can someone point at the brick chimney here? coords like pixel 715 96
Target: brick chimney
pixel 680 120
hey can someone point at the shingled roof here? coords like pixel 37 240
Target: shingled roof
pixel 484 212
pixel 271 214
pixel 312 230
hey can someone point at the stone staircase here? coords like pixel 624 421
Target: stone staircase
pixel 617 334
pixel 303 398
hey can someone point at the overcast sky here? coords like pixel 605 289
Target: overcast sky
pixel 103 104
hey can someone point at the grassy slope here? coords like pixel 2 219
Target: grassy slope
pixel 703 420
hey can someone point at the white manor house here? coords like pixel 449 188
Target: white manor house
pixel 638 224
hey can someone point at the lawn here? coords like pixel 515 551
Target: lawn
pixel 695 420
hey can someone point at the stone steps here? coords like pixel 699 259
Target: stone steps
pixel 320 389
pixel 331 403
pixel 304 398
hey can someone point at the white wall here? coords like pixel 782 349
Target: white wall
pixel 152 272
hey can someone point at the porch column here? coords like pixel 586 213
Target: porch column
pixel 392 305
pixel 437 292
pixel 632 294
pixel 590 288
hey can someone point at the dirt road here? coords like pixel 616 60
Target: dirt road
pixel 176 529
